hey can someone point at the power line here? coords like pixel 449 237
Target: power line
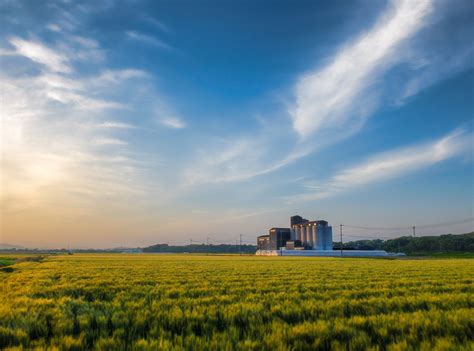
pixel 240 245
pixel 233 241
pixel 384 237
pixel 220 242
pixel 442 224
pixel 377 228
pixel 340 228
pixel 239 241
pixel 210 241
pixel 364 237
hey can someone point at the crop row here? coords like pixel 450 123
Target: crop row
pixel 149 302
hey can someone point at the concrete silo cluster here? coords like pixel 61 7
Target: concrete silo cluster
pixel 315 235
pixel 307 238
pixel 303 235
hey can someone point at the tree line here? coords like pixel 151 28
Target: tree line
pixel 416 244
pixel 202 248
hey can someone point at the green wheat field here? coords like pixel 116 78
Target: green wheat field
pixel 186 302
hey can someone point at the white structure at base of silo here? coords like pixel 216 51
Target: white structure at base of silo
pixel 328 253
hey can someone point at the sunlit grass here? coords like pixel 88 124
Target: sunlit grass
pixel 149 302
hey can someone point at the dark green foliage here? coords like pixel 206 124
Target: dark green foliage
pixel 419 245
pixel 427 244
pixel 202 248
pixel 6 261
pixel 376 244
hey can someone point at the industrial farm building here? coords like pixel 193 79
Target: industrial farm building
pixel 303 235
pixel 305 238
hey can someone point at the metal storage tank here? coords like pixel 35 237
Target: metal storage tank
pixel 328 238
pixel 314 236
pixel 319 238
pixel 309 234
pixel 323 237
pixel 298 233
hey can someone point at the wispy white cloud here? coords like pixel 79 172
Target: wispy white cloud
pixel 84 42
pixel 157 23
pixel 237 160
pixel 68 151
pixel 173 122
pixel 327 98
pixel 216 166
pixel 242 214
pixel 59 144
pixel 58 58
pixel 85 92
pixel 117 125
pixel 81 101
pixel 147 39
pixel 38 52
pixel 79 48
pixel 332 102
pixel 53 27
pixel 439 67
pixel 117 76
pixel 390 165
pixel 110 141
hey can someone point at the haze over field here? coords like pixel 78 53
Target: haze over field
pixel 137 122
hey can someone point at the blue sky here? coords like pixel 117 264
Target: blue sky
pixel 136 122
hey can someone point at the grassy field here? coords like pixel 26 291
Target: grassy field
pixel 467 255
pixel 175 302
pixel 6 261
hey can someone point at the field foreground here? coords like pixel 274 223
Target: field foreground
pixel 175 302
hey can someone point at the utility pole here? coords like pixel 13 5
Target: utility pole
pixel 240 245
pixel 414 233
pixel 340 230
pixel 207 244
pixel 190 242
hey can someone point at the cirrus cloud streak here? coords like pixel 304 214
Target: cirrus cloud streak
pixel 389 165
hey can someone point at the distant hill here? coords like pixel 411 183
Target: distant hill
pixel 416 244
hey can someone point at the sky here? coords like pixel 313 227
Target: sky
pixel 130 123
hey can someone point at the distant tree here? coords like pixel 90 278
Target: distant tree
pixel 201 248
pixel 442 243
pixel 413 245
